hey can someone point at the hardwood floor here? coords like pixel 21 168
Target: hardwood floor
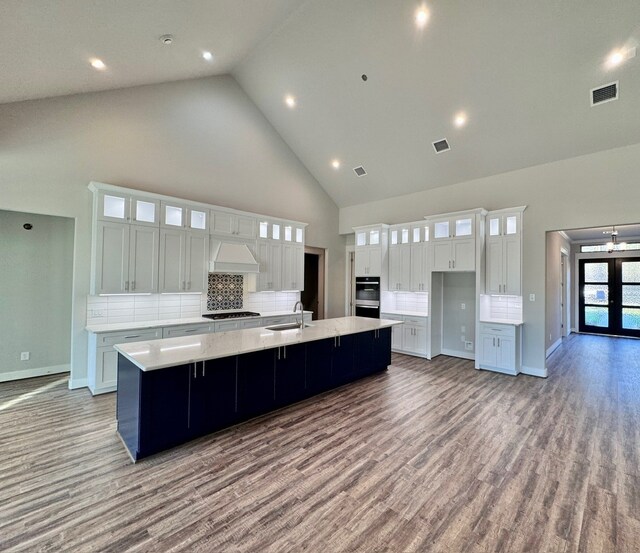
pixel 429 456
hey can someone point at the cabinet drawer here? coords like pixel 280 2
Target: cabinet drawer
pixel 501 329
pixel 416 321
pixel 227 325
pixel 110 339
pixel 251 323
pixel 186 330
pixel 269 321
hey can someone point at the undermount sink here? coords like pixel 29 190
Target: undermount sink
pixel 287 326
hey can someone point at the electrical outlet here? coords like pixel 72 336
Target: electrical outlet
pixel 532 297
pixel 24 356
pixel 468 346
pixel 463 306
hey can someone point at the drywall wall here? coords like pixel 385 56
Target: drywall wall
pixel 201 139
pixel 36 269
pixel 458 289
pixel 586 191
pixel 556 244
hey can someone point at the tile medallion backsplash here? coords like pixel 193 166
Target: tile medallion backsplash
pixel 225 292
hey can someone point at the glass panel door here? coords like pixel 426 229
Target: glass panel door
pixel 610 296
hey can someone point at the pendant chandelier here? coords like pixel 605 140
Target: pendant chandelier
pixel 614 245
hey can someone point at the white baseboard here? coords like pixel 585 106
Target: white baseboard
pixel 553 347
pixel 510 372
pixel 531 371
pixel 31 373
pixel 75 383
pixel 455 353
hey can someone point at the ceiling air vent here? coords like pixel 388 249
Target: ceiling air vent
pixel 441 146
pixel 360 171
pixel 606 93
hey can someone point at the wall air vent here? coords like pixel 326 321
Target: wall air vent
pixel 603 94
pixel 441 146
pixel 360 171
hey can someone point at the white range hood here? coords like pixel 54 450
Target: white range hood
pixel 232 257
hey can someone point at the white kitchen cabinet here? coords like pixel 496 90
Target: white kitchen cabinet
pixel 183 261
pixel 102 361
pixel 420 258
pixel 368 261
pixel 400 268
pixel 233 224
pixel 126 258
pixel 454 255
pixel 127 208
pixel 411 337
pixel 143 259
pixel 504 252
pixel 500 348
pixel 175 215
pixel 270 260
pixel 292 267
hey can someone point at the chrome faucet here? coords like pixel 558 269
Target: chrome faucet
pixel 301 312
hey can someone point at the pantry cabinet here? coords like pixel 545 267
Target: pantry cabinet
pixel 270 260
pixel 292 267
pixel 420 265
pixel 454 241
pixel 503 252
pixel 371 251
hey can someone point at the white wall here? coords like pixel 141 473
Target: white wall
pixel 201 139
pixel 35 303
pixel 580 192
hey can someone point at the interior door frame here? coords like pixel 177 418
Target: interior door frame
pixel 322 284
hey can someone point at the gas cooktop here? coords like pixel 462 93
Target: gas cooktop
pixel 230 315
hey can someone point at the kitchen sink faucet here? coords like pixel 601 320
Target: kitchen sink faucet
pixel 301 312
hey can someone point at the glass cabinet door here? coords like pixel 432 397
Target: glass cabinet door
pixel 113 207
pixel 145 212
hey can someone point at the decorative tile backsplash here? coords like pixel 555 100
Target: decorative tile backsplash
pixel 225 292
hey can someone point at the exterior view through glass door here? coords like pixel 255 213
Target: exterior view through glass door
pixel 610 296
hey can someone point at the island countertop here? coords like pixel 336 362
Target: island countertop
pixel 170 352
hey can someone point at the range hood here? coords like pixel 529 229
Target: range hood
pixel 232 257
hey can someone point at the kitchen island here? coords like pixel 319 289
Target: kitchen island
pixel 173 390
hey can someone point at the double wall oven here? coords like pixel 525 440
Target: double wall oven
pixel 368 297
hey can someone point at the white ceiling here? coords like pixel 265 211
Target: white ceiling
pixel 522 70
pixel 596 234
pixel 45 45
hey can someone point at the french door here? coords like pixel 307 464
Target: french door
pixel 610 296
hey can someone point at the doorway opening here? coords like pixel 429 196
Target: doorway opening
pixel 313 294
pixel 35 312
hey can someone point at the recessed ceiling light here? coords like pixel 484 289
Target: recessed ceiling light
pixel 97 64
pixel 422 16
pixel 207 56
pixel 335 164
pixel 460 119
pixel 290 101
pixel 167 40
pixel 616 57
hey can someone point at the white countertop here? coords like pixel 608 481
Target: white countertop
pixel 169 352
pixel 404 312
pixel 502 322
pixel 115 327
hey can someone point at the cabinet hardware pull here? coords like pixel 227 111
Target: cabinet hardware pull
pixel 339 342
pixel 183 284
pixel 203 369
pixel 285 351
pixel 189 285
pixel 278 354
pixel 195 374
pixel 498 342
pixel 132 336
pixel 133 285
pixel 191 330
pixel 126 285
pixel 494 342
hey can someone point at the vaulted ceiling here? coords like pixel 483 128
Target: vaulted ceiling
pixel 521 71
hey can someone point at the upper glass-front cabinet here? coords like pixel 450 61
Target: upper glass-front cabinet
pixel 503 224
pixel 400 235
pixel 457 227
pixel 122 208
pixel 293 233
pixel 368 237
pixel 180 216
pixel 419 233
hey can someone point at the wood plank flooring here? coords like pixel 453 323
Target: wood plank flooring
pixel 429 456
